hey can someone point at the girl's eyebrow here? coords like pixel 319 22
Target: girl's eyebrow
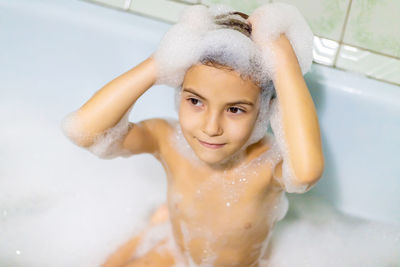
pixel 231 103
pixel 193 92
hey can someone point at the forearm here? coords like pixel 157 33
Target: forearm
pixel 108 105
pixel 298 115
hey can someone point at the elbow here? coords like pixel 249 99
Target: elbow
pixel 80 140
pixel 73 130
pixel 310 173
pixel 84 143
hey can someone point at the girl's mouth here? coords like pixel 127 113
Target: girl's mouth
pixel 209 145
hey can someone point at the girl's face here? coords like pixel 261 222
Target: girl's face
pixel 217 107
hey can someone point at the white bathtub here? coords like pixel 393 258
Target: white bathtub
pixel 61 206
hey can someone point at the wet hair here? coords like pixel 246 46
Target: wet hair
pixel 230 20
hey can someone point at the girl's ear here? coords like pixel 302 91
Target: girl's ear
pixel 270 100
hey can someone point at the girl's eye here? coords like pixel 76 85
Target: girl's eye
pixel 236 109
pixel 194 101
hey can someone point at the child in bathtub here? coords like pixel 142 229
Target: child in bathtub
pixel 227 176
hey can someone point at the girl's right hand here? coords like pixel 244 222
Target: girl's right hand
pixel 177 49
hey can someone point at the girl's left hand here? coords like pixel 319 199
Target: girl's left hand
pixel 281 33
pixel 278 43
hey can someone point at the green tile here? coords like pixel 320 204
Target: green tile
pixel 368 63
pixel 113 3
pixel 166 10
pixel 239 5
pixel 325 17
pixel 375 25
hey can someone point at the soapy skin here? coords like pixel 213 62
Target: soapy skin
pixel 221 212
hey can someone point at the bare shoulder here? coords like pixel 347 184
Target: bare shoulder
pixel 258 149
pixel 266 150
pixel 148 136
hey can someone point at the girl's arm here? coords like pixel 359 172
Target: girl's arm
pixel 298 116
pixel 105 115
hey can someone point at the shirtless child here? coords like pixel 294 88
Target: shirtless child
pixel 224 193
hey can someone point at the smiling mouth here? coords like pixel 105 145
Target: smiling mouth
pixel 210 145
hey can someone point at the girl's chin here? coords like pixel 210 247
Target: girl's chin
pixel 210 159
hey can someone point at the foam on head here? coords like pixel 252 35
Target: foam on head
pixel 183 45
pixel 205 33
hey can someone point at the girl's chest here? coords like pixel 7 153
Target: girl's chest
pixel 221 212
pixel 218 197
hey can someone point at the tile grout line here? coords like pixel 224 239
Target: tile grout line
pixel 369 76
pixel 127 4
pixel 343 32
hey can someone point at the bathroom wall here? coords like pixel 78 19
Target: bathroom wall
pixel 362 36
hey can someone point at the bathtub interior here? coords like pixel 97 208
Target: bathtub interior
pixel 61 206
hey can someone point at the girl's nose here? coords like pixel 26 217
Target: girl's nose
pixel 212 125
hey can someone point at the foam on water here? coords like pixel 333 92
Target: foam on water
pixel 315 234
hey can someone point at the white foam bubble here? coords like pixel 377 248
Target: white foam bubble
pixel 181 145
pixel 219 9
pixel 153 236
pixel 175 54
pixel 105 145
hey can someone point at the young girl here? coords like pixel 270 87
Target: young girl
pixel 227 176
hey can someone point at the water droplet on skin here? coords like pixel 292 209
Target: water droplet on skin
pixel 228 204
pixel 242 180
